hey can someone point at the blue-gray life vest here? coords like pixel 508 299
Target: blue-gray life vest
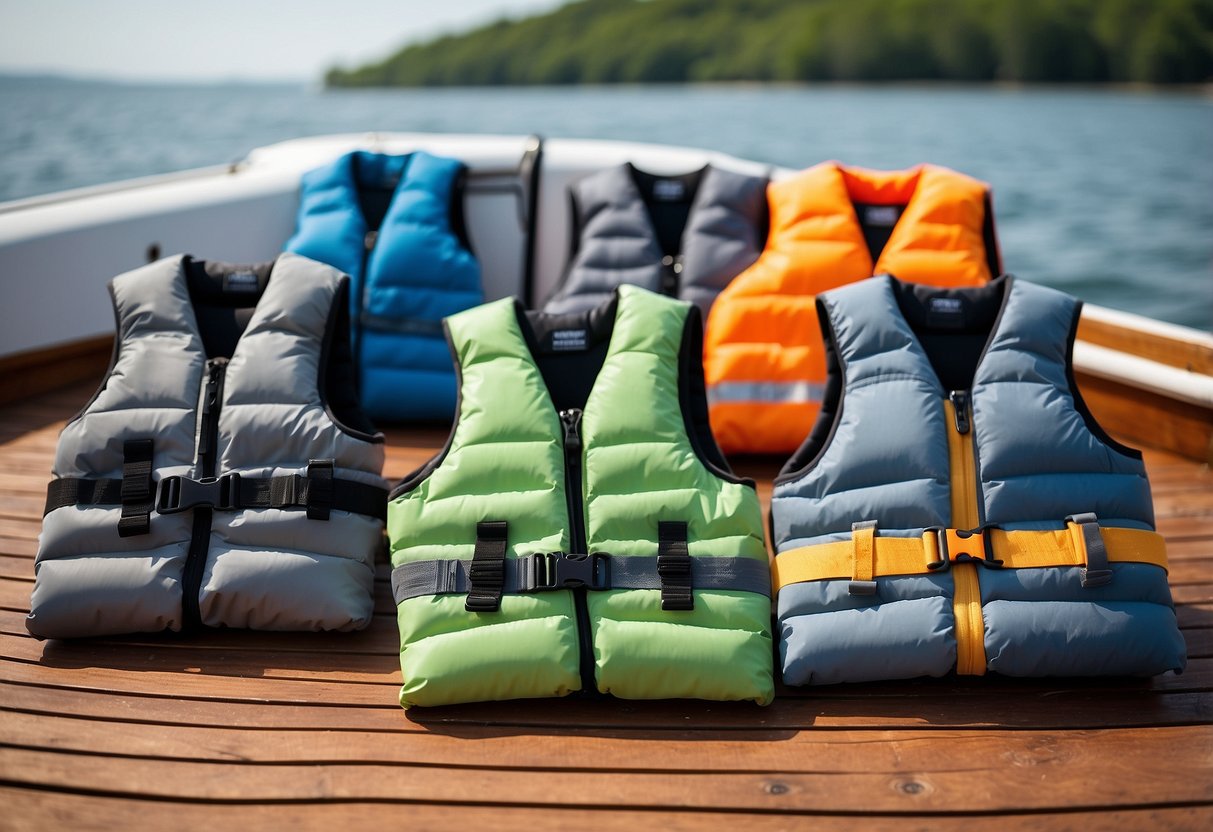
pixel 617 242
pixel 222 475
pixel 407 272
pixel 983 524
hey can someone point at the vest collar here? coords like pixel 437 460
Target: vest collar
pixel 828 193
pixel 688 240
pixel 883 286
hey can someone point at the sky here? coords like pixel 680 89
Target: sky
pixel 205 40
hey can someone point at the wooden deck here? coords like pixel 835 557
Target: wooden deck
pixel 303 730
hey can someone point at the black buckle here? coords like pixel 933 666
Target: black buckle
pixel 944 558
pixel 178 494
pixel 556 570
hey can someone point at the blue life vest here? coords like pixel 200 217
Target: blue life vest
pixel 406 275
pixel 957 506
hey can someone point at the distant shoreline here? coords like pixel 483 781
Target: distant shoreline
pixel 1204 90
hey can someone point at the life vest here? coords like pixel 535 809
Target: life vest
pixel 957 506
pixel 684 236
pixel 830 226
pixel 386 222
pixel 210 481
pixel 580 531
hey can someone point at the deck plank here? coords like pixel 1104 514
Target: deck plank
pixel 35 811
pixel 303 729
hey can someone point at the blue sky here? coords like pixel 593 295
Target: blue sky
pixel 226 39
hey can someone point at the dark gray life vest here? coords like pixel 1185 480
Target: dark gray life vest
pixel 617 240
pixel 223 474
pixel 957 506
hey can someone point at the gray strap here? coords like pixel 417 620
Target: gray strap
pixel 1097 572
pixel 532 573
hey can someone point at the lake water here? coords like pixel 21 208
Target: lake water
pixel 1107 194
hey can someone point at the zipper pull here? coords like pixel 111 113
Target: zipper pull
pixel 368 242
pixel 960 408
pixel 571 419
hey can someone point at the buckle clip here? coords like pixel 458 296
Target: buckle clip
pixel 177 494
pixel 956 546
pixel 556 570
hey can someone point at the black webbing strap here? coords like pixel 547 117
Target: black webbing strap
pixel 1096 572
pixel 674 566
pixel 73 491
pixel 138 495
pixel 319 494
pixel 486 572
pixel 552 571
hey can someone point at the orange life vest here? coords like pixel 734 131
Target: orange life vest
pixel 763 356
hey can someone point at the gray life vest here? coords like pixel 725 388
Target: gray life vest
pixel 957 506
pixel 222 475
pixel 617 241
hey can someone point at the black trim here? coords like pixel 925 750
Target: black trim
pixel 529 171
pixel 337 379
pixel 455 211
pixel 990 237
pixel 693 397
pixel 821 436
pixel 420 475
pixel 1080 404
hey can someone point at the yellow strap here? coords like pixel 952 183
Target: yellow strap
pixel 1016 550
pixel 863 539
pixel 970 623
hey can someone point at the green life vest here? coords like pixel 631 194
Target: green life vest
pixel 496 596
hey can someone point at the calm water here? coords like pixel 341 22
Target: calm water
pixel 1106 194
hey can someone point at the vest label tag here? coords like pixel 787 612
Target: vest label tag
pixel 240 282
pixel 567 340
pixel 946 312
pixel 669 190
pixel 882 216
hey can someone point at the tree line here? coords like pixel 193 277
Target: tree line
pixel 676 41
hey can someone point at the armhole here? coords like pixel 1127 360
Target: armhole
pixel 810 452
pixel 114 351
pixel 456 212
pixel 420 475
pixel 1080 405
pixel 338 380
pixel 693 398
pixel 990 237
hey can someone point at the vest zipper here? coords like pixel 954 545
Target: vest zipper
pixel 200 538
pixel 368 245
pixel 671 274
pixel 571 421
pixel 966 514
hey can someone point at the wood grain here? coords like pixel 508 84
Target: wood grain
pixel 303 730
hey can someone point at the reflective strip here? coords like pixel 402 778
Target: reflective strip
pixel 1016 550
pixel 770 392
pixel 526 575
